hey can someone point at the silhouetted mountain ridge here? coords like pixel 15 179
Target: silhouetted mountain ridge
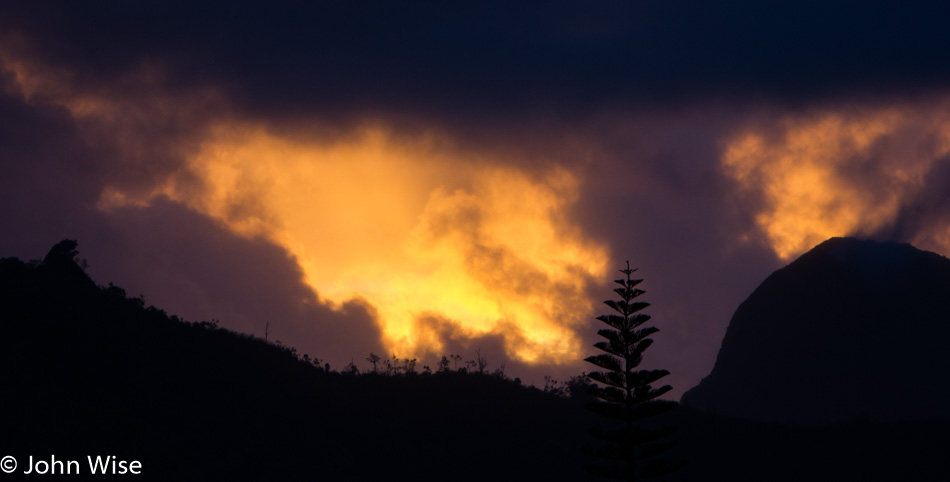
pixel 850 329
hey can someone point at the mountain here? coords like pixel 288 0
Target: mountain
pixel 851 330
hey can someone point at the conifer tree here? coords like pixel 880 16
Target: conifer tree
pixel 625 393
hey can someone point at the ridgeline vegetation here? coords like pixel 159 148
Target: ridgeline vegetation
pixel 90 370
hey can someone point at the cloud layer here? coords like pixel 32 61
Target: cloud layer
pixel 414 230
pixel 435 177
pixel 846 171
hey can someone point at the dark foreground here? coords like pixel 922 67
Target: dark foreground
pixel 90 372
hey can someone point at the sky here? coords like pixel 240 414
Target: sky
pixel 428 178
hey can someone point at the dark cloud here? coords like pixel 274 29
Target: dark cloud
pixel 49 178
pixel 656 192
pixel 476 60
pixel 921 216
pixel 199 269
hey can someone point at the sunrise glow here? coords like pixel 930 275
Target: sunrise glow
pixel 836 173
pixel 431 237
pixel 417 232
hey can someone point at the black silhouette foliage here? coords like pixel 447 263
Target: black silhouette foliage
pixel 626 394
pixel 89 370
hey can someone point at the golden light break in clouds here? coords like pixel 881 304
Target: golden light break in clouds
pixel 420 235
pixel 840 172
pixel 440 243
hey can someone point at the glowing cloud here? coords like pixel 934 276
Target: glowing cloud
pixel 837 173
pixel 441 243
pixel 418 233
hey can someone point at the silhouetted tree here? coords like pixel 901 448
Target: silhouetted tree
pixel 625 393
pixel 63 258
pixel 443 364
pixel 391 366
pixel 351 369
pixel 482 362
pixel 374 360
pixel 553 387
pixel 64 252
pixel 578 386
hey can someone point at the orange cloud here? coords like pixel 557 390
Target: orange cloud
pixel 837 173
pixel 415 230
pixel 415 227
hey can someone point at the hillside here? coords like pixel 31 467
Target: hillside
pixel 89 371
